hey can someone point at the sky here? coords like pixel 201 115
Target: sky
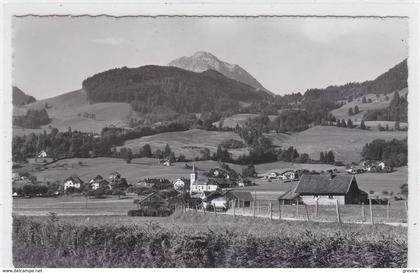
pixel 53 55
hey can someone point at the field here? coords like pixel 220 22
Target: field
pixel 67 111
pixel 139 168
pixel 377 103
pixel 188 143
pixel 346 143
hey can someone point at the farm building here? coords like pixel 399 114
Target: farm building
pixel 153 200
pixel 73 182
pixel 326 189
pixel 289 197
pixel 99 181
pixel 288 175
pixel 243 198
pixel 114 176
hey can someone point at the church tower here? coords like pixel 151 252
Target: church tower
pixel 193 177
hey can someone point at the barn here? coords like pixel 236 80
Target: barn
pixel 326 189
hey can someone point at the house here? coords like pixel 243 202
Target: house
pixel 42 154
pixel 272 175
pixel 15 176
pixel 216 199
pixel 73 182
pixel 288 175
pixel 166 163
pixel 152 201
pixel 179 184
pixel 381 165
pixel 99 182
pixel 326 189
pixel 240 198
pixel 200 185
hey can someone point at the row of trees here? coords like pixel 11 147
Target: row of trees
pixel 393 152
pixel 33 119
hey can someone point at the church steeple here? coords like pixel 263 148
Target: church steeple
pixel 193 177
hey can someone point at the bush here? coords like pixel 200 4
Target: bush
pixel 55 244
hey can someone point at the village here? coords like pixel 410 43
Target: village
pixel 220 189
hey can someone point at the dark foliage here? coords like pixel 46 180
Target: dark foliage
pixel 396 111
pixel 393 153
pixel 33 119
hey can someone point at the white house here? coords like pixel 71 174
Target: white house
pixel 42 154
pixel 288 175
pixel 179 184
pixel 73 182
pixel 381 165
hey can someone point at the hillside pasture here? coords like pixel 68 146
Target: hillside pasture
pixel 71 109
pixel 377 103
pixel 238 119
pixel 346 143
pixel 189 143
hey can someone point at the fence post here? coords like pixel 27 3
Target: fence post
pixel 337 209
pixel 271 211
pixel 253 209
pixel 363 212
pixel 279 210
pixel 387 210
pixel 297 209
pixel 234 207
pixel 214 208
pixel 406 207
pixel 316 208
pixel 370 209
pixel 259 207
pixel 307 213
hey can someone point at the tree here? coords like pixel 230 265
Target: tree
pixel 362 125
pixel 350 112
pixel 343 123
pixel 356 109
pixel 249 171
pixel 167 151
pixel 322 157
pixel 397 126
pixel 330 157
pixel 404 190
pixel 364 99
pixel 349 123
pixel 338 123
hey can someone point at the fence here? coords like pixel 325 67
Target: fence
pixel 395 212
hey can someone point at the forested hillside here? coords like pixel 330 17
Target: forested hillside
pixel 182 91
pixel 392 80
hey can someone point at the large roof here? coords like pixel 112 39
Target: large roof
pixel 241 195
pixel 74 178
pixel 289 195
pixel 324 184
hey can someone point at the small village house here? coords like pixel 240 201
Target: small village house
pixel 289 197
pixel 179 184
pixel 152 201
pixel 73 182
pixel 326 189
pixel 200 185
pixel 98 182
pixel 288 175
pixel 114 176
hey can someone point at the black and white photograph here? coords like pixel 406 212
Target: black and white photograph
pixel 175 141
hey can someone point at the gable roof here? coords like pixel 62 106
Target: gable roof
pixel 322 184
pixel 289 195
pixel 98 178
pixel 74 178
pixel 241 195
pixel 146 197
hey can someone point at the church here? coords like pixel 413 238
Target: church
pixel 200 185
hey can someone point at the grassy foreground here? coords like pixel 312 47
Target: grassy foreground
pixel 194 240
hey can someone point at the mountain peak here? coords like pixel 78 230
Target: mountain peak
pixel 202 61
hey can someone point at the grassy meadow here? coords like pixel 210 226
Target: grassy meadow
pixel 347 144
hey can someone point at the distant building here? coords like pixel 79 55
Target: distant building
pixel 42 154
pixel 288 175
pixel 114 176
pixel 99 182
pixel 240 198
pixel 73 182
pixel 289 197
pixel 326 189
